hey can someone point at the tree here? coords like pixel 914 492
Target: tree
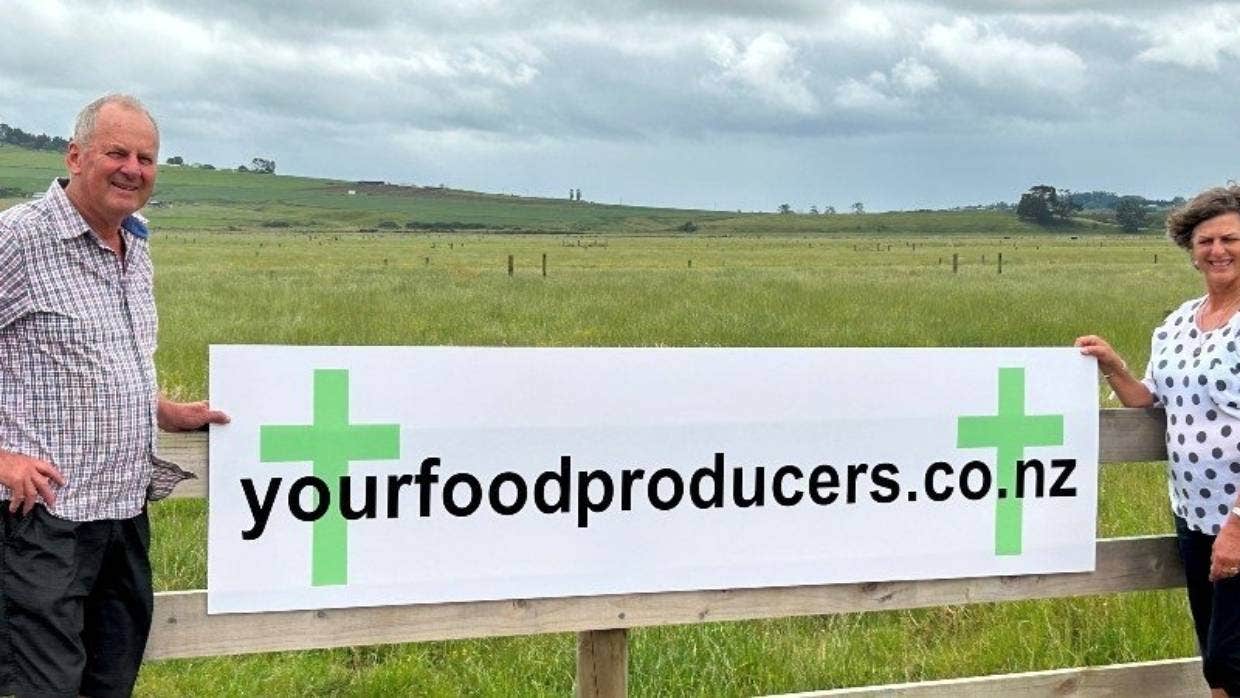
pixel 1038 205
pixel 263 166
pixel 813 210
pixel 176 160
pixel 785 208
pixel 1066 205
pixel 858 207
pixel 1130 213
pixel 828 210
pixel 1042 204
pixel 579 194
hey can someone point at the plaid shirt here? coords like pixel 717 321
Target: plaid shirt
pixel 77 371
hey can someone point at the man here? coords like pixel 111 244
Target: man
pixel 78 411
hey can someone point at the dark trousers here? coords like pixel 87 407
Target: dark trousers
pixel 1215 607
pixel 77 604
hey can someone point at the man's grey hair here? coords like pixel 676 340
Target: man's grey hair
pixel 84 128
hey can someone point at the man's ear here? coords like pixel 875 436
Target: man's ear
pixel 73 158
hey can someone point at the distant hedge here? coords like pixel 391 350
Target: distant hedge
pixel 448 225
pixel 18 137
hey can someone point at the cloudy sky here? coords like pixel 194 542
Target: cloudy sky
pixel 695 103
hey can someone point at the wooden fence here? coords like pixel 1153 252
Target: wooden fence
pixel 182 628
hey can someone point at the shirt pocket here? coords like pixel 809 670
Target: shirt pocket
pixel 66 343
pixel 67 366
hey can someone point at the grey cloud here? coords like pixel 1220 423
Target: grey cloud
pixel 554 83
pixel 310 83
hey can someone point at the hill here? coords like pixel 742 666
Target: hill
pixel 193 199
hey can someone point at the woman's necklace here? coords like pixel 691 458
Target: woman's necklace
pixel 1218 315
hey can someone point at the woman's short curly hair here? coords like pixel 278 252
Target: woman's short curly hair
pixel 1210 203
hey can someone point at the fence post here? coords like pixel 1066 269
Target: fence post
pixel 603 663
pixel 510 265
pixel 1000 262
pixel 955 262
pixel 544 264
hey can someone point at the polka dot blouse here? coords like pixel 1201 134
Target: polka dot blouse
pixel 1195 376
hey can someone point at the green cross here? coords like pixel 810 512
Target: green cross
pixel 1010 432
pixel 330 443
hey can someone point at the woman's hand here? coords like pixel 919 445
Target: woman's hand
pixel 1109 361
pixel 1225 555
pixel 1129 390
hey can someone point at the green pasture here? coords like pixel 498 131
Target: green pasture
pixel 247 258
pixel 741 290
pixel 454 289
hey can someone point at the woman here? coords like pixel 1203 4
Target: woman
pixel 1194 373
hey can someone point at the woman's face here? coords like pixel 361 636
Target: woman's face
pixel 1216 249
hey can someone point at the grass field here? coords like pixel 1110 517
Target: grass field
pixel 619 276
pixel 296 288
pixel 640 291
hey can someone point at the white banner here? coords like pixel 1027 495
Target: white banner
pixel 364 476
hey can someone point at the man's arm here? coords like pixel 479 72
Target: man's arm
pixel 186 416
pixel 27 478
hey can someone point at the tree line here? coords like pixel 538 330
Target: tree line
pixel 786 208
pixel 12 135
pixel 15 136
pixel 1047 206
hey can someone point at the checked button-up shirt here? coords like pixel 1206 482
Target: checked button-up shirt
pixel 77 347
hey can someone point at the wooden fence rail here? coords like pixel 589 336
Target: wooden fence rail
pixel 182 627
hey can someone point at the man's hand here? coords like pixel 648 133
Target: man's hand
pixel 1225 555
pixel 187 416
pixel 28 479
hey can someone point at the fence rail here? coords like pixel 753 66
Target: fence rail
pixel 1167 678
pixel 182 627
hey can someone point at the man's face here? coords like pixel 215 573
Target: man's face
pixel 114 173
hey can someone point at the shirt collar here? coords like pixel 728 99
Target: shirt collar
pixel 70 223
pixel 136 226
